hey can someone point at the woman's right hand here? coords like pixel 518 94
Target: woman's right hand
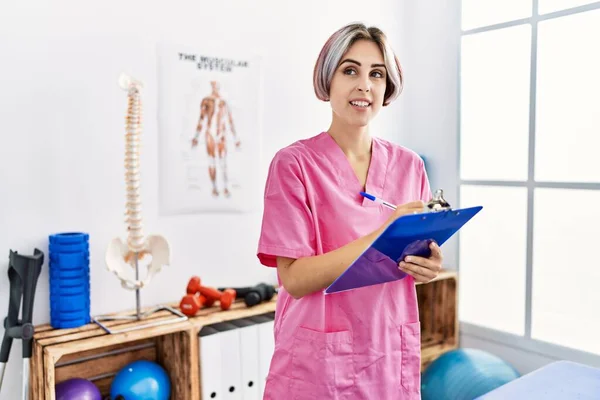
pixel 413 207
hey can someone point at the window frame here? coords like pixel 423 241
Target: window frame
pixel 525 342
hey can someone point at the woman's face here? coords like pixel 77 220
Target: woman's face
pixel 358 84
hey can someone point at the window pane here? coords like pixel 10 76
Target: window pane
pixel 492 251
pixel 566 270
pixel 548 6
pixel 568 99
pixel 478 13
pixel 495 71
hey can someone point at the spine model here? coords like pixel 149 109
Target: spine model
pixel 123 257
pixel 133 206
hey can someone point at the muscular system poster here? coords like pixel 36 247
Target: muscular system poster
pixel 209 129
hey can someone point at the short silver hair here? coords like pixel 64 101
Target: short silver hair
pixel 339 43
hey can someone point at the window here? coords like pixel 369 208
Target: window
pixel 529 137
pixel 487 272
pixel 568 99
pixel 565 313
pixel 495 104
pixel 477 13
pixel 548 6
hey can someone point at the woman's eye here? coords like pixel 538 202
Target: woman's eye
pixel 377 74
pixel 349 71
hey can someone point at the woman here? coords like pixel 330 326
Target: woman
pixel 363 343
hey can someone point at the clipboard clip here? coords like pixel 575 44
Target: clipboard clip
pixel 438 203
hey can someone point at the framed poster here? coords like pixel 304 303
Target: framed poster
pixel 209 107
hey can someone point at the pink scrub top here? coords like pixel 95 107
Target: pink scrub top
pixel 360 344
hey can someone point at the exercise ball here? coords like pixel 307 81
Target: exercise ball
pixel 141 380
pixel 465 374
pixel 77 389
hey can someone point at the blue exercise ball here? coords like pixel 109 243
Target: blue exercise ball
pixel 465 374
pixel 141 380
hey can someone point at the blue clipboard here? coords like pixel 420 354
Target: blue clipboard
pixel 408 235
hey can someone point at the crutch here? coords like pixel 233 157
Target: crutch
pixel 23 274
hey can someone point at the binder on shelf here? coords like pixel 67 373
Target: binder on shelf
pixel 408 235
pixel 231 368
pixel 249 342
pixel 266 345
pixel 210 363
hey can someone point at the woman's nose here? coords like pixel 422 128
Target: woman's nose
pixel 364 85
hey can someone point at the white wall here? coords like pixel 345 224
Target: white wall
pixel 61 128
pixel 431 102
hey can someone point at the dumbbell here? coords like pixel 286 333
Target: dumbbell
pixel 193 300
pixel 226 297
pixel 193 287
pixel 191 303
pixel 255 294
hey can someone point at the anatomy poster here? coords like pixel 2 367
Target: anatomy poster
pixel 209 128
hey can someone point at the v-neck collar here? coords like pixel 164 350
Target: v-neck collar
pixel 347 178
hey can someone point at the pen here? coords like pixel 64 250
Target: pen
pixel 378 200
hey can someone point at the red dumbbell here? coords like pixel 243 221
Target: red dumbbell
pixel 191 303
pixel 225 297
pixel 193 287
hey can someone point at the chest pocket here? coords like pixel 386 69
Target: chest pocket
pixel 340 219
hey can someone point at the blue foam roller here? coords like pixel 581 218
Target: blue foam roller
pixel 60 288
pixel 69 316
pixel 59 293
pixel 69 275
pixel 82 314
pixel 69 260
pixel 61 300
pixel 69 302
pixel 68 248
pixel 58 274
pixel 66 324
pixel 63 276
pixel 68 237
pixel 68 291
pixel 70 282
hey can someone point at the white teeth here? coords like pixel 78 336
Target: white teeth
pixel 360 103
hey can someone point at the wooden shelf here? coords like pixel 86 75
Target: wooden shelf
pixel 91 353
pixel 438 313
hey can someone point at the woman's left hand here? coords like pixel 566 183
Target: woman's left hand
pixel 423 269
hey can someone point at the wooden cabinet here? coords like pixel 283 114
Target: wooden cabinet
pixel 438 301
pixel 91 353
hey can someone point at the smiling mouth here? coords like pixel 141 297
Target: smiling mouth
pixel 363 104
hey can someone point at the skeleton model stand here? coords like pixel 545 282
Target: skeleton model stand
pixel 123 258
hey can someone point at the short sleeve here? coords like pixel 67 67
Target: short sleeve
pixel 287 225
pixel 426 194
